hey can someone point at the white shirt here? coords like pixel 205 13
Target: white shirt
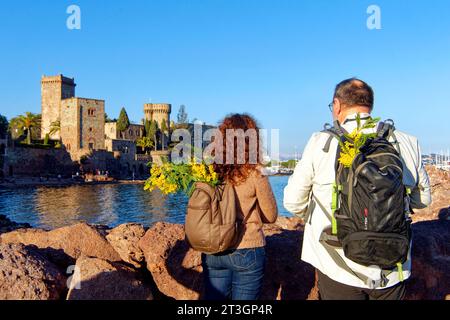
pixel 315 174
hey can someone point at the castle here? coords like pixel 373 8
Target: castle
pixel 82 128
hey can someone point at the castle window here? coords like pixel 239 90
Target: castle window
pixel 91 112
pixel 130 132
pixel 90 129
pixel 68 147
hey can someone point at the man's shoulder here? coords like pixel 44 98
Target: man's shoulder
pixel 400 135
pixel 319 136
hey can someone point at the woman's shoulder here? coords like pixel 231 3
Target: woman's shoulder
pixel 259 173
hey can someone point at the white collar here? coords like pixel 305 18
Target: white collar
pixel 353 116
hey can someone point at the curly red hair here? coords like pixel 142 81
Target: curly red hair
pixel 233 170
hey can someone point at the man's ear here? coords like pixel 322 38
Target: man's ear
pixel 337 108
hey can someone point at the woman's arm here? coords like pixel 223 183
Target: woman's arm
pixel 266 200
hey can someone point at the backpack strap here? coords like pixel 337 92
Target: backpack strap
pixel 326 239
pixel 336 131
pixel 386 130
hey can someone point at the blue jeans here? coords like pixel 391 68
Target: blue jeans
pixel 236 275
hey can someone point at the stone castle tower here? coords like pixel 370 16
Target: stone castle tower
pixel 54 89
pixel 159 112
pixel 82 121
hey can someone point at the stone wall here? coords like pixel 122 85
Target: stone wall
pixel 70 128
pixel 26 161
pixel 82 126
pixel 92 123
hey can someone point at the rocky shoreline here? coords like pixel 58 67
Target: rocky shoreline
pixel 129 262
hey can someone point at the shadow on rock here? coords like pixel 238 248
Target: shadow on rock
pixel 287 277
pixel 430 261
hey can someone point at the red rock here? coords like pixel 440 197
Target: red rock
pixel 65 245
pixel 26 275
pixel 440 192
pixel 98 279
pixel 124 239
pixel 177 270
pixel 287 276
pixel 430 278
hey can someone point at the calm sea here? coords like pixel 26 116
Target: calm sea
pixel 110 205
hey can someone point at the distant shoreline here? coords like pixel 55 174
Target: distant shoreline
pixel 32 183
pixel 29 183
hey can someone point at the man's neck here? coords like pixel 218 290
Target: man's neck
pixel 351 111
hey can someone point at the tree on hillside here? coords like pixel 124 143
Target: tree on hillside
pixel 123 122
pixel 145 143
pixel 182 116
pixel 27 122
pixel 164 131
pixel 3 126
pixel 154 128
pixel 108 119
pixel 147 128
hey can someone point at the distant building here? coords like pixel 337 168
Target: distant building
pixel 82 121
pixel 159 112
pixel 133 133
pixel 54 89
pixel 83 130
pixel 83 125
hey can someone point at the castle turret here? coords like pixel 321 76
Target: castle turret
pixel 159 112
pixel 53 90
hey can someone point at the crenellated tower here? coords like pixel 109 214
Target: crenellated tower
pixel 159 112
pixel 54 89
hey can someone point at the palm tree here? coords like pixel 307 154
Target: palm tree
pixel 55 127
pixel 28 121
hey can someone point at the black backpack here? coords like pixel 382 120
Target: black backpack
pixel 370 205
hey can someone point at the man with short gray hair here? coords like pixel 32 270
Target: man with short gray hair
pixel 315 194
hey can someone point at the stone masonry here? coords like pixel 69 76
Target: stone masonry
pixel 82 125
pixel 53 90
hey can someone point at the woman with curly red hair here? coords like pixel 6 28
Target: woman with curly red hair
pixel 238 273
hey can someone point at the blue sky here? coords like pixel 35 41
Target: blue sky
pixel 278 60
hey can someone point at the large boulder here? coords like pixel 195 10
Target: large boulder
pixel 26 275
pixel 430 278
pixel 175 267
pixel 177 270
pixel 124 239
pixel 290 278
pixel 64 245
pixel 98 279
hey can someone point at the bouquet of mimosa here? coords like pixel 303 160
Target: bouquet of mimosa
pixel 172 178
